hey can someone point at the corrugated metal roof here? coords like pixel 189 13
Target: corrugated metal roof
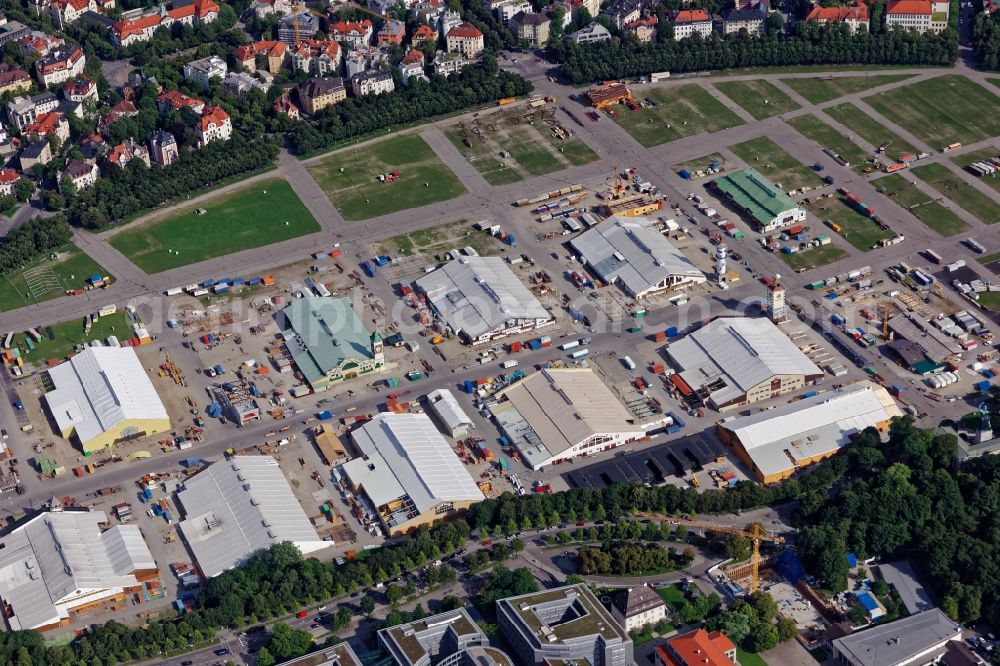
pixel 99 388
pixel 475 295
pixel 632 252
pixel 56 555
pixel 423 464
pixel 754 193
pixel 237 507
pixel 740 351
pixel 812 426
pixel 446 406
pixel 566 406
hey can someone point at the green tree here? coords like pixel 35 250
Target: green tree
pixel 787 629
pixel 762 637
pixel 265 658
pixel 765 607
pixel 367 605
pixel 286 643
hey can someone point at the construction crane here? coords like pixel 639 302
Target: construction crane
pixel 756 533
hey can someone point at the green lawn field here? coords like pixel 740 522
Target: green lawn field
pixel 69 271
pixel 941 178
pixel 966 159
pixel 855 228
pixel 762 99
pixel 868 128
pixel 990 300
pixel 745 658
pixel 928 211
pixel 943 110
pixel 774 163
pixel 680 111
pixel 825 136
pixel 819 89
pixel 350 178
pixel 69 334
pixel 259 214
pixel 814 256
pixel 439 239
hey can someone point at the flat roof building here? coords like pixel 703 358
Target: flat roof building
pixel 901 576
pixel 340 654
pixel 735 361
pixel 408 472
pixel 481 299
pixel 447 639
pixel 102 395
pixel 328 341
pixel 443 404
pixel 764 203
pixel 915 639
pixel 237 507
pixel 633 254
pixel 562 413
pixel 778 442
pixel 564 625
pixel 58 563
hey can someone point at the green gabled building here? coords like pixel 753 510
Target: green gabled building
pixel 767 206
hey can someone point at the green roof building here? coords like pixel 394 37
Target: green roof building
pixel 765 204
pixel 328 342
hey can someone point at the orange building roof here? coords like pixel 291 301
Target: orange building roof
pixel 691 16
pixel 200 9
pixel 857 12
pixel 909 7
pixel 212 115
pixel 78 5
pixel 126 29
pixel 424 32
pixel 347 27
pixel 413 56
pixel 465 30
pixel 697 648
pixel 45 123
pixel 178 100
pixel 8 176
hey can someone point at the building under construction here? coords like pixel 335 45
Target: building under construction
pixel 237 402
pixel 605 96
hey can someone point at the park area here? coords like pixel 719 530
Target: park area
pixel 965 159
pixel 869 129
pixel 761 99
pixel 674 113
pixel 941 111
pixel 775 164
pixel 61 340
pixel 48 278
pixel 827 88
pixel 351 178
pixel 266 212
pixel 511 145
pixel 855 228
pixel 813 257
pixel 964 195
pixel 826 136
pixel 928 211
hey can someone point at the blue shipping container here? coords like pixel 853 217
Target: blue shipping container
pixel 983 386
pixel 838 319
pixel 148 493
pixel 324 415
pixel 470 386
pixel 368 268
pixel 685 174
pixel 218 369
pixel 253 282
pixel 237 282
pixel 672 332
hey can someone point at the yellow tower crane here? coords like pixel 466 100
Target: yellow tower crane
pixel 756 533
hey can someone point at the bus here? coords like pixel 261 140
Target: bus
pixel 933 256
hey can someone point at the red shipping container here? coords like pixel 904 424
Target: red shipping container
pixel 514 347
pixel 659 336
pixel 657 368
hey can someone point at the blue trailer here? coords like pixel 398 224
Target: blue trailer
pixel 685 174
pixel 254 281
pixel 469 386
pixel 237 282
pixel 511 240
pixel 382 260
pixel 368 268
pixel 838 319
pixel 983 386
pixel 147 494
pixel 218 369
pixel 192 462
pixel 671 331
pixel 207 283
pixel 324 415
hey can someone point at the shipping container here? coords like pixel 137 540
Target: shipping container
pixel 579 354
pixel 629 363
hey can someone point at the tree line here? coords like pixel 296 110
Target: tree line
pixel 32 240
pixel 809 44
pixel 125 192
pixel 418 101
pixel 630 559
pixel 986 40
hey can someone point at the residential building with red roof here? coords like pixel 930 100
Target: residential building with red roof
pixel 125 152
pixel 61 64
pixel 93 146
pixel 688 22
pixel 13 79
pixel 199 11
pixel 918 15
pixel 424 33
pixel 353 33
pixel 65 12
pixel 45 124
pixel 465 39
pixel 38 43
pixel 128 32
pixel 123 109
pixel 283 104
pixel 214 125
pixel 141 29
pixel 392 32
pixel 79 89
pixel 8 181
pixel 644 28
pixel 854 16
pixel 274 51
pixel 175 100
pixel 316 56
pixel 697 648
